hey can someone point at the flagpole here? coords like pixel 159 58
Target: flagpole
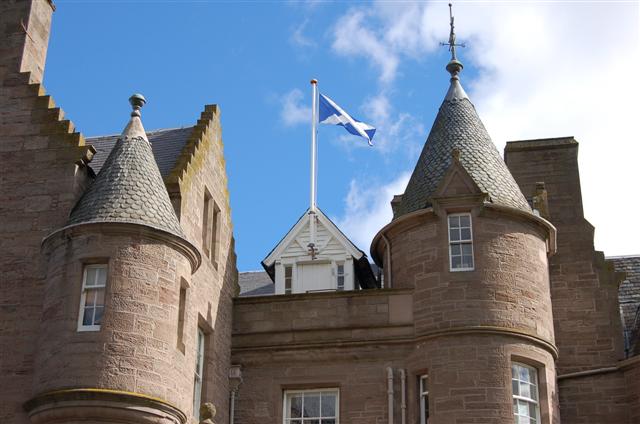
pixel 314 165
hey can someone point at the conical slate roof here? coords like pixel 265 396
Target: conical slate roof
pixel 457 126
pixel 129 187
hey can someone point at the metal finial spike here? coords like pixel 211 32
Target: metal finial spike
pixel 137 101
pixel 454 66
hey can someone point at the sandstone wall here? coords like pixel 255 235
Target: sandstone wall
pixel 584 289
pixel 209 297
pixel 40 177
pixel 136 348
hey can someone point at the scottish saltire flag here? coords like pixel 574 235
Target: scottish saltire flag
pixel 332 114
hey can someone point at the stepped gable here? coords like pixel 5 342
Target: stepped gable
pixel 129 188
pixel 167 144
pixel 457 126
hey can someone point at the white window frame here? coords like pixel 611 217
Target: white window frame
pixel 198 374
pixel 86 289
pixel 288 393
pixel 533 386
pixel 338 275
pixel 460 242
pixel 424 395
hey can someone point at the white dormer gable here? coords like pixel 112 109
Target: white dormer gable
pixel 331 267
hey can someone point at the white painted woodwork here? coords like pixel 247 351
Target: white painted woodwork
pixel 319 274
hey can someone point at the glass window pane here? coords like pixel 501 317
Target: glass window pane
pixel 87 317
pixel 456 262
pixel 89 298
pixel 91 276
pixel 101 276
pixel 515 387
pixel 532 410
pixel 465 221
pixel 98 316
pixel 332 421
pixel 524 374
pixel 295 407
pixel 311 422
pixel 454 221
pixel 99 297
pixel 455 249
pixel 328 405
pixel 465 234
pixel 523 408
pixel 311 405
pixel 534 392
pixel 467 262
pixel 454 234
pixel 524 390
pixel 466 249
pixel 523 420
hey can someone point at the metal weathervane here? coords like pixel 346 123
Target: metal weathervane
pixel 452 37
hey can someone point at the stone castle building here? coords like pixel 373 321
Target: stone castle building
pixel 120 302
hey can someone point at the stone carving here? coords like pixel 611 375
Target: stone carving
pixel 207 413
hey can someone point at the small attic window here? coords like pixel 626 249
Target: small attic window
pixel 288 279
pixel 460 242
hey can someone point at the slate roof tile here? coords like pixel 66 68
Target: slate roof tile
pixel 457 125
pixel 167 144
pixel 128 188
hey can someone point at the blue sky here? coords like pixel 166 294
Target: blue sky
pixel 532 69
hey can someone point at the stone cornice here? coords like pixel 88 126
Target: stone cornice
pixel 377 341
pixel 96 397
pixel 188 250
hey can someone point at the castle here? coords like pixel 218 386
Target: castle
pixel 120 301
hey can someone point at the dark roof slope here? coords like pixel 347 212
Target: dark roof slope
pixel 255 283
pixel 457 125
pixel 129 187
pixel 167 144
pixel 629 298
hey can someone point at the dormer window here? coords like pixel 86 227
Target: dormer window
pixel 460 242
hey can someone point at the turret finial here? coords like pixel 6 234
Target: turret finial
pixel 454 66
pixel 137 101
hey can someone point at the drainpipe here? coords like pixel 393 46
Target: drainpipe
pixel 390 393
pixel 387 262
pixel 403 405
pixel 235 380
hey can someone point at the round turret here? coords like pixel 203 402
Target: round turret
pixel 466 241
pixel 111 320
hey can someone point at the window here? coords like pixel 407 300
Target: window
pixel 197 379
pixel 210 226
pixel 524 383
pixel 460 242
pixel 288 279
pixel 312 406
pixel 207 217
pixel 181 314
pixel 424 399
pixel 340 277
pixel 94 281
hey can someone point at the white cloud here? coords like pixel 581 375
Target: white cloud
pixel 545 70
pixel 352 38
pixel 293 111
pixel 368 209
pixel 298 39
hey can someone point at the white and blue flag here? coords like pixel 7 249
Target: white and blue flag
pixel 332 114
